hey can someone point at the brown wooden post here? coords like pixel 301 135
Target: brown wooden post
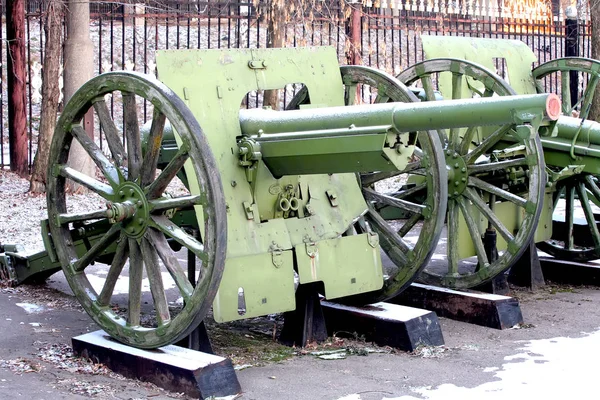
pixel 354 31
pixel 17 100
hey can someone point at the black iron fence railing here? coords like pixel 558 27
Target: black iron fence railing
pixel 127 33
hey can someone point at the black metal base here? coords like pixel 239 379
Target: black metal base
pixel 498 285
pixel 197 340
pixel 569 272
pixel 306 324
pixel 386 324
pixel 493 311
pixel 196 374
pixel 527 271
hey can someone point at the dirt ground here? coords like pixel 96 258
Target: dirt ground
pixel 37 323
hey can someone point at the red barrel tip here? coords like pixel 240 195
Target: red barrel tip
pixel 553 107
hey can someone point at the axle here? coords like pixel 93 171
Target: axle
pixel 374 137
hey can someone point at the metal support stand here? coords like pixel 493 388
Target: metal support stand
pixel 306 324
pixel 498 285
pixel 198 339
pixel 527 271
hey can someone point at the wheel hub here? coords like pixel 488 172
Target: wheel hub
pixel 131 209
pixel 457 174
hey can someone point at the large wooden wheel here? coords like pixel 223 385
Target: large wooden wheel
pixel 485 165
pixel 575 233
pixel 133 204
pixel 406 208
pixel 561 68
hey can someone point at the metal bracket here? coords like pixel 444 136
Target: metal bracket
pixel 311 249
pixel 277 257
pixel 333 198
pixel 373 239
pixel 248 210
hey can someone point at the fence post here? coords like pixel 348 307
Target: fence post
pixel 572 48
pixel 354 30
pixel 16 77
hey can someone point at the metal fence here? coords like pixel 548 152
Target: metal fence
pixel 126 35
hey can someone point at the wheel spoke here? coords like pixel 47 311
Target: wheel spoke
pixel 132 134
pixel 381 98
pixel 154 142
pixel 116 267
pixel 352 94
pixel 392 201
pixel 380 225
pixel 589 214
pixel 513 198
pixel 565 90
pixel 409 224
pixel 98 247
pixel 475 234
pixel 171 262
pixel 159 185
pixel 108 169
pixel 569 216
pixel 452 234
pixel 591 185
pixel 167 227
pixel 86 216
pixel 456 94
pixel 496 165
pixel 136 266
pixel 92 184
pixel 409 192
pixel 467 139
pixel 488 142
pixel 111 132
pixel 588 96
pixel 177 202
pixel 157 288
pixel 428 87
pixel 489 214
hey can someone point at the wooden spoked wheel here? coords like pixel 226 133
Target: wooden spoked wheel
pixel 485 165
pixel 589 70
pixel 575 233
pixel 134 206
pixel 406 208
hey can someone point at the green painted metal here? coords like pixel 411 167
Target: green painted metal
pixel 221 81
pixel 517 55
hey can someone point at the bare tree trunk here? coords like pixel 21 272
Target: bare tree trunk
pixel 50 92
pixel 16 77
pixel 78 69
pixel 275 38
pixel 595 16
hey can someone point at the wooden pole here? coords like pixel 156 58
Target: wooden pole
pixel 17 100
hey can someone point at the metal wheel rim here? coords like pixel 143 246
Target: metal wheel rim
pixel 485 271
pixel 409 265
pixel 207 193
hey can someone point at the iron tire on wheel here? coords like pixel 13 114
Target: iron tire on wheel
pixel 463 155
pixel 128 182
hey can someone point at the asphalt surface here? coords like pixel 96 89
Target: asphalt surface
pixel 550 354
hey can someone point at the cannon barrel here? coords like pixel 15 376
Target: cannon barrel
pixel 368 138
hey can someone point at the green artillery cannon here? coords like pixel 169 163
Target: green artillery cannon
pixel 253 200
pixel 570 149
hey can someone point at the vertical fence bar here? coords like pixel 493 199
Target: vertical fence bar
pixel 572 49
